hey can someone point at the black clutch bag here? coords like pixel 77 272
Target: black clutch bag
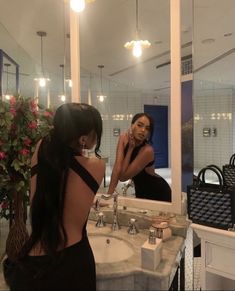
pixel 229 171
pixel 211 204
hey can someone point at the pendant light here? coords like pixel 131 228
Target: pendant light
pixel 42 80
pixel 62 96
pixel 137 45
pixel 7 96
pixel 101 96
pixel 79 5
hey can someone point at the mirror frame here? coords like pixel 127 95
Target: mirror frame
pixel 175 112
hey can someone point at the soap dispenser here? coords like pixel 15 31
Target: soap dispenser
pixel 163 230
pixel 151 251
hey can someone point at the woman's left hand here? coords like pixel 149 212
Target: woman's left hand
pixel 131 140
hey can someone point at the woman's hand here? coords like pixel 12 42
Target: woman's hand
pixel 131 140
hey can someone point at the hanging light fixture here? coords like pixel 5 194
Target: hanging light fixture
pixel 137 45
pixel 79 5
pixel 42 80
pixel 7 96
pixel 101 96
pixel 62 96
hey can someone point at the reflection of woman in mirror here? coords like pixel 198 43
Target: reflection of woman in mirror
pixel 135 160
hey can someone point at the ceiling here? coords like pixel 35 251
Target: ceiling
pixel 105 26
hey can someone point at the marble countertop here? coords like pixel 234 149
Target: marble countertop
pixel 171 254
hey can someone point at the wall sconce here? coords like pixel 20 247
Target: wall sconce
pixel 7 96
pixel 42 80
pixel 62 96
pixel 101 96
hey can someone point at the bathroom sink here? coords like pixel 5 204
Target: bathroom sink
pixel 109 249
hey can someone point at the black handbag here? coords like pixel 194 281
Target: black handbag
pixel 211 204
pixel 229 171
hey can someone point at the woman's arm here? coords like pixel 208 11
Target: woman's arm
pixel 123 139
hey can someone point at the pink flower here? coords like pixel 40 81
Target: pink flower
pixel 48 114
pixel 13 111
pixel 24 152
pixel 4 204
pixel 2 155
pixel 12 101
pixel 34 106
pixel 32 125
pixel 27 141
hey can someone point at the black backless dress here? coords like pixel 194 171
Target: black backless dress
pixel 148 186
pixel 71 269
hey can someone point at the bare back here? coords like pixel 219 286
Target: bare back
pixel 78 197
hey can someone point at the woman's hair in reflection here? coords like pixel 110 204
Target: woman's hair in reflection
pixel 151 123
pixel 71 121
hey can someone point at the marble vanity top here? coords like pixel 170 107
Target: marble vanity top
pixel 131 268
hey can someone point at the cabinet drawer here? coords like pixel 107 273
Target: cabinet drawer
pixel 220 258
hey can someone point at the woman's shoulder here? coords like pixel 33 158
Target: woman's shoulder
pixel 147 149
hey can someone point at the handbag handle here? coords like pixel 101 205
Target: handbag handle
pixel 219 170
pixel 232 160
pixel 201 176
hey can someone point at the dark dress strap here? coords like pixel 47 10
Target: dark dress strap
pixel 34 170
pixel 78 169
pixel 84 174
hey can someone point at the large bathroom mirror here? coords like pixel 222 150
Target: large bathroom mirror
pixel 129 83
pixel 214 79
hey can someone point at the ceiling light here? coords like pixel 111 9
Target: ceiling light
pixel 138 44
pixel 79 5
pixel 42 80
pixel 101 96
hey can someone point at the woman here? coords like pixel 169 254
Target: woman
pixel 135 160
pixel 58 255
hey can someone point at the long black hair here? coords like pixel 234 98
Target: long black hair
pixel 151 123
pixel 71 121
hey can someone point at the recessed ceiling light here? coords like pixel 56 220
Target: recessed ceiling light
pixel 228 34
pixel 208 40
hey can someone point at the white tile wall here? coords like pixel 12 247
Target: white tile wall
pixel 213 108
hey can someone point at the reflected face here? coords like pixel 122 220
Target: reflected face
pixel 141 129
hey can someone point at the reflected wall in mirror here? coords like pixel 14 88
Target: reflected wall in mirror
pixel 214 79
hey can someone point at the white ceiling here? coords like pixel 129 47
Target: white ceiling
pixel 105 25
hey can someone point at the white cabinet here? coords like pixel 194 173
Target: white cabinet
pixel 218 258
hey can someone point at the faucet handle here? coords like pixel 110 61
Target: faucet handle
pixel 100 222
pixel 132 226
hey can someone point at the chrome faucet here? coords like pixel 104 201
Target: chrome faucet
pixel 126 186
pixel 115 224
pixel 100 222
pixel 132 229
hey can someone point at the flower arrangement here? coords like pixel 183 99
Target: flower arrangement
pixel 22 124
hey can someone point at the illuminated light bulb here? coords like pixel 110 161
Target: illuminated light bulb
pixel 63 98
pixel 137 49
pixel 77 5
pixel 7 97
pixel 101 98
pixel 42 82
